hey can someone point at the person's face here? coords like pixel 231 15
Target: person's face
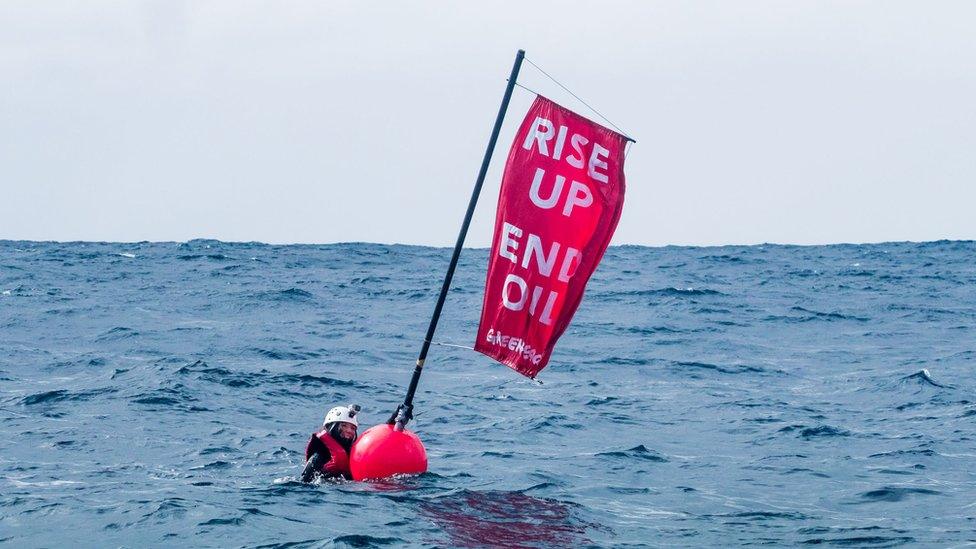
pixel 347 430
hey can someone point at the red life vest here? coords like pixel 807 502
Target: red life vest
pixel 338 465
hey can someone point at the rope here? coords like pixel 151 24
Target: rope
pixel 539 382
pixel 578 98
pixel 528 89
pixel 452 345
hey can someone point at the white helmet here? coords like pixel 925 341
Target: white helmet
pixel 345 414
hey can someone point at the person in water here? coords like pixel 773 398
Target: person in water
pixel 327 452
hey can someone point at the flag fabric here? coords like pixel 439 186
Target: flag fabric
pixel 561 197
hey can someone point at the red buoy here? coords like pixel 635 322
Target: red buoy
pixel 382 452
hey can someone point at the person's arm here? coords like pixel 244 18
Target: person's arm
pixel 316 456
pixel 313 466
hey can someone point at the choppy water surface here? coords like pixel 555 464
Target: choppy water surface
pixel 161 394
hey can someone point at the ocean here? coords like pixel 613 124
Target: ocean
pixel 161 394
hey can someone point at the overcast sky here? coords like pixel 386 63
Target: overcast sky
pixel 326 121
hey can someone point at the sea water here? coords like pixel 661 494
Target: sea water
pixel 161 394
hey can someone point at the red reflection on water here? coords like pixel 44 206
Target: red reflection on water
pixel 509 519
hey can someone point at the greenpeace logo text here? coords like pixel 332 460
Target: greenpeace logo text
pixel 513 344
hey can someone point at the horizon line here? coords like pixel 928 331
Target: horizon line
pixel 4 241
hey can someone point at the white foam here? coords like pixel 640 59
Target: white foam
pixel 22 484
pixel 127 255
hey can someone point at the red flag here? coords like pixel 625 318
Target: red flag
pixel 560 200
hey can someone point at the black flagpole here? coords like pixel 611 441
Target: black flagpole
pixel 405 411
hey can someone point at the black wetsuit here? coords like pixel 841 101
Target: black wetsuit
pixel 317 455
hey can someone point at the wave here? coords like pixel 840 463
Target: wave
pixel 232 521
pixel 117 333
pixel 897 493
pixel 315 542
pixel 662 292
pixel 168 397
pixel 820 431
pixel 862 541
pixel 812 315
pixel 288 295
pixel 654 330
pixel 726 258
pixel 554 422
pixel 218 450
pixel 202 371
pixel 831 315
pixel 730 369
pixel 924 378
pixel 363 540
pixel 64 395
pixel 637 452
pixel 209 257
pixel 926 452
pixel 286 355
pixel 764 515
pixel 624 361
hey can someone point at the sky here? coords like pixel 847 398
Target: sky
pixel 806 122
